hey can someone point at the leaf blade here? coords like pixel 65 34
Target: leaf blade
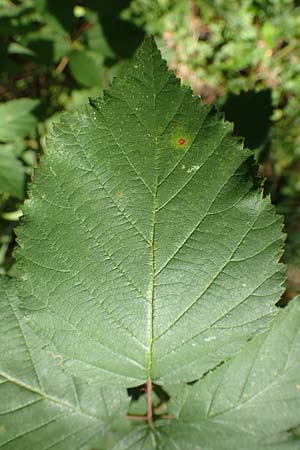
pixel 154 195
pixel 41 407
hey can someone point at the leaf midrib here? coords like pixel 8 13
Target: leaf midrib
pixel 152 241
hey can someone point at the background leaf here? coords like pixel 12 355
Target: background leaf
pixel 17 118
pixel 40 406
pixel 12 177
pixel 250 402
pixel 86 67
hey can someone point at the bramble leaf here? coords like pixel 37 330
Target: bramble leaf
pixel 41 407
pixel 146 253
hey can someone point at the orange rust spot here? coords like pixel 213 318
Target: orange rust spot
pixel 181 141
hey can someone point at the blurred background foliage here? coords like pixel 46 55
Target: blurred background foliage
pixel 241 55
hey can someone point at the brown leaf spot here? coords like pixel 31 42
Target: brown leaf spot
pixel 60 358
pixel 181 141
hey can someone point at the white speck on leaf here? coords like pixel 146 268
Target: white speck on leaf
pixel 52 171
pixel 193 169
pixel 210 338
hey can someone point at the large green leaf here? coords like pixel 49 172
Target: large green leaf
pixel 251 402
pixel 40 406
pixel 145 251
pixel 17 118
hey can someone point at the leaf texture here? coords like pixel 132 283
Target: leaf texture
pixel 41 407
pixel 145 251
pixel 250 402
